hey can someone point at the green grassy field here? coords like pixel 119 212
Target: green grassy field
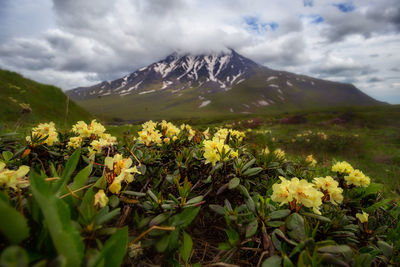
pixel 46 103
pixel 370 139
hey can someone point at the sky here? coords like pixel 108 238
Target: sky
pixel 72 43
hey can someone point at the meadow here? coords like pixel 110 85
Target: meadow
pixel 311 188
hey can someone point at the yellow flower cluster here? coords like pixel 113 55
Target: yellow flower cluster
pixel 222 133
pixel 75 142
pixel 357 178
pixel 363 217
pixel 342 167
pixel 329 187
pixel 84 130
pixel 190 132
pixel 12 179
pixel 216 150
pixel 149 134
pixel 169 129
pixel 118 170
pixel 96 146
pixel 298 192
pixel 311 161
pixel 45 130
pixel 265 151
pixel 95 131
pixel 322 135
pixel 279 154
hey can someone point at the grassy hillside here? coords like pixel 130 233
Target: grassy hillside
pixel 253 96
pixel 46 102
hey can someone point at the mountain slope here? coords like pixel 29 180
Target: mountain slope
pixel 217 84
pixel 47 103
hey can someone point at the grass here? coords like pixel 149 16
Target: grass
pixel 370 140
pixel 47 102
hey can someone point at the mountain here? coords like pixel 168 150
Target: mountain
pixel 45 102
pixel 215 84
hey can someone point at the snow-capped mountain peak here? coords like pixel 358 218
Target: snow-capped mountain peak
pixel 218 72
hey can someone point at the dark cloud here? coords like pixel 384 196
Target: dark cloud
pixel 77 43
pixel 374 80
pixel 382 17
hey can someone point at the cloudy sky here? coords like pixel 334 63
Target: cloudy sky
pixel 73 43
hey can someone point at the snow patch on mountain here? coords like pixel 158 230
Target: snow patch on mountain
pixel 204 103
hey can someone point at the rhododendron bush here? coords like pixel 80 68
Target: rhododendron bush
pixel 176 195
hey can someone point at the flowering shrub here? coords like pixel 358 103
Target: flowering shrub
pixel 174 195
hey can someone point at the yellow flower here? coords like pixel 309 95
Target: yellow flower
pixel 331 186
pixel 100 199
pixel 174 138
pixel 12 179
pixel 47 130
pixel 363 217
pixel 167 140
pixel 279 154
pixel 115 187
pixel 121 167
pixel 281 192
pixel 234 154
pixel 75 142
pixel 206 134
pixel 300 190
pixel 310 160
pixel 357 178
pixel 265 151
pixel 342 167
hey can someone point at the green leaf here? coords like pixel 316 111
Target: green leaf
pixel 316 216
pixel 233 236
pixel 114 201
pixel 162 243
pixel 14 256
pixel 295 227
pixel 194 200
pixel 287 262
pixel 252 171
pixel 273 261
pixel 12 225
pixel 279 214
pixel 7 155
pixel 377 205
pixel 56 213
pixel 337 249
pixel 152 195
pixel 103 217
pixel 160 218
pixel 114 249
pixel 251 228
pixel 218 209
pixel 233 183
pixel 248 164
pixel 386 248
pixel 186 217
pixel 80 180
pixel 274 223
pixel 68 170
pixel 250 204
pixel 224 246
pixel 186 248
